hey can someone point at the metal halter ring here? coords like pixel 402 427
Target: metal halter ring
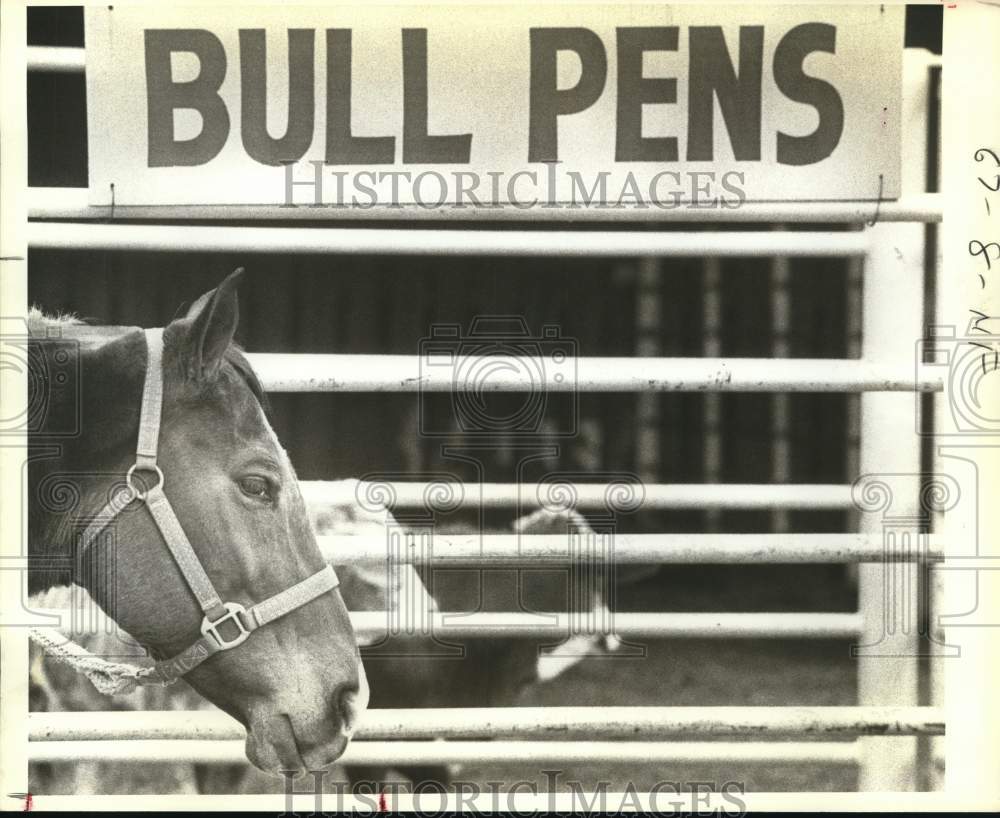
pixel 130 480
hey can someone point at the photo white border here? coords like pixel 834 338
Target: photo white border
pixel 972 706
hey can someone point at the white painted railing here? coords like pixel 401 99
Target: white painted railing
pixel 305 372
pixel 199 751
pixel 72 203
pixel 420 624
pixel 62 235
pixel 622 549
pixel 519 722
pixel 558 494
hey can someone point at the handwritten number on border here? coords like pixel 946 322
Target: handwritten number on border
pixel 984 251
pixel 979 155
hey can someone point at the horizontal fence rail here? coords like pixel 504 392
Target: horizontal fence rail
pixel 303 372
pixel 53 235
pixel 547 549
pixel 56 59
pixel 621 496
pixel 420 624
pixel 518 722
pixel 72 203
pixel 627 625
pixel 465 752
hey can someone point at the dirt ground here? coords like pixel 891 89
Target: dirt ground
pixel 684 672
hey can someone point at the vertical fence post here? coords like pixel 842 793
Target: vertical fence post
pixel 889 592
pixel 648 345
pixel 890 458
pixel 936 592
pixel 13 452
pixel 852 460
pixel 781 401
pixel 712 323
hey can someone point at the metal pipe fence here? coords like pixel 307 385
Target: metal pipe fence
pixel 519 722
pixel 63 219
pixel 423 624
pixel 466 752
pixel 304 372
pixel 73 204
pixel 556 495
pixel 622 549
pixel 65 235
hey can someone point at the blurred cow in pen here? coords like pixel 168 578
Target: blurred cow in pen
pixel 403 671
pixel 430 671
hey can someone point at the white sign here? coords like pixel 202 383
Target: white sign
pixel 486 106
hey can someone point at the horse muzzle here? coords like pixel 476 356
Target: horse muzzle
pixel 294 739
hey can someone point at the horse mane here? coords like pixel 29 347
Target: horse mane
pixel 39 322
pixel 237 359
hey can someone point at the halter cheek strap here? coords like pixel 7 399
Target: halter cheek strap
pixel 238 620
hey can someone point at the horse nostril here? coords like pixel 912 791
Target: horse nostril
pixel 348 708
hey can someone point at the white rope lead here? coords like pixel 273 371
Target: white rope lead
pixel 110 678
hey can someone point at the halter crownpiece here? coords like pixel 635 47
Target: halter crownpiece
pixel 216 612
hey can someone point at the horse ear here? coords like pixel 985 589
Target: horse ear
pixel 213 319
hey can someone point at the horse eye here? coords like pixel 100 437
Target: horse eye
pixel 256 487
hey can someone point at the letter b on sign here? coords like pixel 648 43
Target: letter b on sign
pixel 164 96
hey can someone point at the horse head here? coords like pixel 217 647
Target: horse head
pixel 297 684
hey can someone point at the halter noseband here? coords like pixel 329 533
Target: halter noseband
pixel 217 612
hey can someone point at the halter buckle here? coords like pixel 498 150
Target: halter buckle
pixel 232 614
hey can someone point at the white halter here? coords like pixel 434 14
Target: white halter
pixel 217 613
